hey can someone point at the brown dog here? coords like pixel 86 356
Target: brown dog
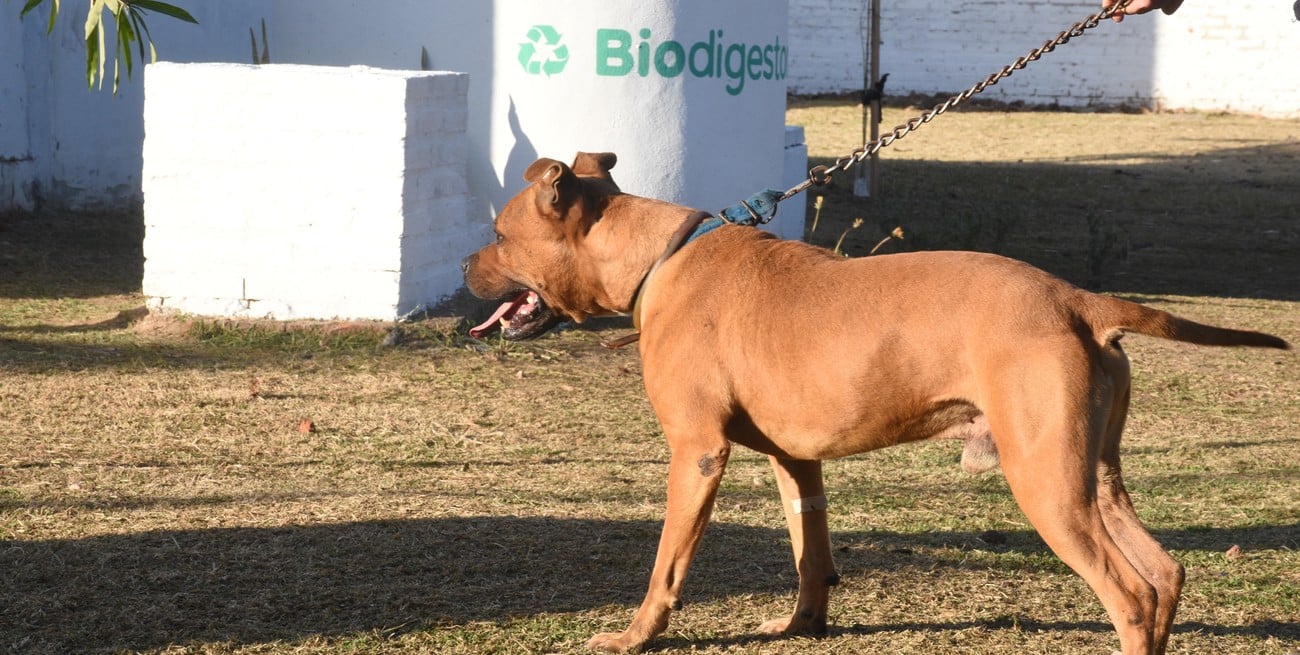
pixel 804 356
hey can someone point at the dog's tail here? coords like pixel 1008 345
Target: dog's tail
pixel 1111 317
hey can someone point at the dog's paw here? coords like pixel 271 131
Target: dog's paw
pixel 790 626
pixel 613 642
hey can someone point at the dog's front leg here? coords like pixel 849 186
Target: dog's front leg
pixel 803 497
pixel 693 476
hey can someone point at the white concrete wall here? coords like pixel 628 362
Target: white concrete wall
pixel 293 192
pixel 16 160
pixel 792 214
pixel 456 35
pixel 933 46
pixel 1239 57
pixel 1212 56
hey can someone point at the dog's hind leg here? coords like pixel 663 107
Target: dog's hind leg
pixel 694 472
pixel 1071 524
pixel 1161 570
pixel 1049 457
pixel 803 497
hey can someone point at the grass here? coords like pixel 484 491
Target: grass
pixel 158 492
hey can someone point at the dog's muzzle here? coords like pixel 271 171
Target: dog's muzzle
pixel 522 315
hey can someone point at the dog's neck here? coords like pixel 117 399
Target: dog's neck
pixel 695 225
pixel 625 244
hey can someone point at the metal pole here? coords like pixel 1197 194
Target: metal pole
pixel 875 106
pixel 867 183
pixel 862 182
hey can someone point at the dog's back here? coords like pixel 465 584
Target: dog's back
pixel 1005 285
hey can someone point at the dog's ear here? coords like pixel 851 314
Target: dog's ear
pixel 556 183
pixel 594 164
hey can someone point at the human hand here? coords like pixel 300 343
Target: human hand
pixel 1142 7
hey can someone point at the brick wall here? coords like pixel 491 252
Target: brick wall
pixel 303 192
pixel 1209 56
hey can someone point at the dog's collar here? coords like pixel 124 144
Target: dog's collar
pixel 707 225
pixel 695 226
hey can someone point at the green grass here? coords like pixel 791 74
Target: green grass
pixel 456 496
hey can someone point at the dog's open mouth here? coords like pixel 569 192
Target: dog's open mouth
pixel 524 316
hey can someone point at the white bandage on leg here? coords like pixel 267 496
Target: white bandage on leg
pixel 814 504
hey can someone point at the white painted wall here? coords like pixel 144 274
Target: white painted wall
pixel 292 192
pixel 455 34
pixel 1237 56
pixel 16 162
pixel 792 215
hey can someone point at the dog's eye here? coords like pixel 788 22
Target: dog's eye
pixel 500 238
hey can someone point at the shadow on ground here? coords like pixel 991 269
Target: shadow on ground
pixel 1216 224
pixel 62 255
pixel 253 585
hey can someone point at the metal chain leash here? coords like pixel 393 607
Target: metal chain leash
pixel 821 175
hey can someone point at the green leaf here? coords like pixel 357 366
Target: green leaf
pixel 92 56
pixel 125 35
pixel 165 9
pixel 31 4
pixel 141 31
pixel 130 27
pixel 94 18
pixel 103 53
pixel 266 45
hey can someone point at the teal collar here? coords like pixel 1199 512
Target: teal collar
pixel 708 225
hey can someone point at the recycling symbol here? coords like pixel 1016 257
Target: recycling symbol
pixel 543 52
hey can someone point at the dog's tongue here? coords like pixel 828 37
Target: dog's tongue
pixel 507 308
